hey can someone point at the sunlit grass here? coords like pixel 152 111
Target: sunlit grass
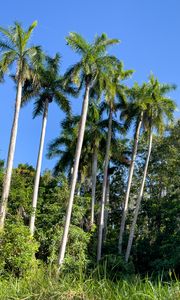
pixel 40 286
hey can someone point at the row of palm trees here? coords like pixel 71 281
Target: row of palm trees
pixel 100 76
pixel 141 110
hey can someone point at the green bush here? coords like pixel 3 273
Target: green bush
pixel 76 253
pixel 17 249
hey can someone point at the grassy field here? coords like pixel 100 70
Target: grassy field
pixel 43 287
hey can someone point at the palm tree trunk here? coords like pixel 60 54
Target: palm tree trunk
pixel 74 176
pixel 106 212
pixel 94 174
pixel 131 235
pixel 106 163
pixel 38 168
pixel 131 171
pixel 9 167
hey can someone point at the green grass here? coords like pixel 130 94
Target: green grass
pixel 40 286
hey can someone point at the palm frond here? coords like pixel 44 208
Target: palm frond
pixel 19 39
pixel 36 55
pixel 62 102
pixel 39 105
pixel 70 122
pixel 7 60
pixel 72 75
pixel 29 91
pixel 53 63
pixel 102 42
pixel 28 33
pixel 77 43
pixel 8 34
pixel 6 46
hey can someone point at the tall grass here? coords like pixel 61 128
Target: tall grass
pixel 41 286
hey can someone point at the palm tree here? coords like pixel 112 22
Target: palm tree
pixel 159 109
pixel 47 88
pixel 113 89
pixel 95 136
pixel 14 51
pixel 132 113
pixel 86 72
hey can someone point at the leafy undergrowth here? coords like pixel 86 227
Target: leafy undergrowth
pixel 40 286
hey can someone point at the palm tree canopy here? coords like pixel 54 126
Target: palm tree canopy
pixel 135 106
pixel 151 100
pixel 160 108
pixel 14 49
pixel 114 88
pixel 48 85
pixel 94 59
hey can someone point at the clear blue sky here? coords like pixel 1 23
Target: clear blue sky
pixel 148 29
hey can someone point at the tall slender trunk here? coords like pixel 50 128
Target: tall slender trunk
pixel 132 229
pixel 38 168
pixel 74 176
pixel 106 211
pixel 131 171
pixel 11 151
pixel 106 163
pixel 94 174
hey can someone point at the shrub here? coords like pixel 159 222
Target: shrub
pixel 17 249
pixel 76 252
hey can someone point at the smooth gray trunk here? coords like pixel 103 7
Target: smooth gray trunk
pixel 106 211
pixel 132 229
pixel 11 151
pixel 106 163
pixel 38 169
pixel 94 175
pixel 74 176
pixel 131 171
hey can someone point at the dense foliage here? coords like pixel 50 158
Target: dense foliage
pixel 157 240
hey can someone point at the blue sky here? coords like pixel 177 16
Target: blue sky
pixel 149 34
